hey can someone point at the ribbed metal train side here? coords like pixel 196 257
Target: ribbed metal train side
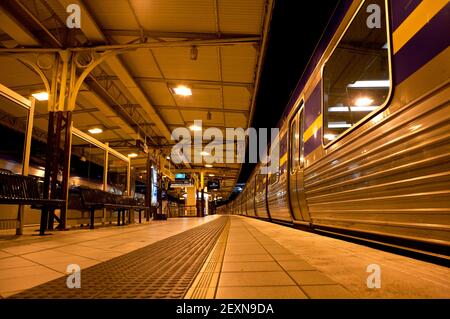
pixel 392 179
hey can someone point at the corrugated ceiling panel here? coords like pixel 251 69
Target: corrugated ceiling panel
pixel 107 135
pixel 216 117
pixel 235 120
pixel 171 117
pixel 82 120
pixel 158 93
pixel 201 98
pixel 176 15
pixel 112 14
pixel 176 63
pixel 14 73
pixel 238 63
pixel 141 63
pixel 236 98
pixel 237 16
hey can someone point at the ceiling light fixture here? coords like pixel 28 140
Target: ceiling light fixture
pixel 363 101
pixel 363 108
pixel 370 84
pixel 330 137
pixel 195 127
pixel 95 130
pixel 338 109
pixel 132 155
pixel 339 125
pixel 182 90
pixel 194 53
pixel 40 96
pixel 208 165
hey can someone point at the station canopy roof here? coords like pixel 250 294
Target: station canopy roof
pixel 213 47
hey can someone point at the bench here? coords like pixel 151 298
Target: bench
pixel 24 190
pixel 95 199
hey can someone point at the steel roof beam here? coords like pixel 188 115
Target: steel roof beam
pixel 93 33
pixel 201 109
pixel 185 81
pixel 16 30
pixel 177 35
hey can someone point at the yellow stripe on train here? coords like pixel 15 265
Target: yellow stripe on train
pixel 313 128
pixel 416 21
pixel 283 159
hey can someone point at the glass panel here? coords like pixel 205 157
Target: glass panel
pixel 86 164
pixel 294 145
pixel 117 175
pixel 356 77
pixel 301 138
pixel 13 124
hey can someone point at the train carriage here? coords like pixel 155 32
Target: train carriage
pixel 364 141
pixel 261 209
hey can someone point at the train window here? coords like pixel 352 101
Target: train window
pixel 296 141
pixel 356 78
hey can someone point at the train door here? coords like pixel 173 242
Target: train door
pixel 296 154
pixel 300 176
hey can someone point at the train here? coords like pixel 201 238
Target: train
pixel 365 138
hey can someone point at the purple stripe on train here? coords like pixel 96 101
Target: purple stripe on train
pixel 401 9
pixel 313 142
pixel 283 144
pixel 328 34
pixel 431 40
pixel 313 106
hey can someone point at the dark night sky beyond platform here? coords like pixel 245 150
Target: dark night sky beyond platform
pixel 295 30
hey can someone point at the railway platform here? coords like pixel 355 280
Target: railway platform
pixel 214 257
pixel 217 157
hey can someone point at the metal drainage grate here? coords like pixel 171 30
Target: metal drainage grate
pixel 164 269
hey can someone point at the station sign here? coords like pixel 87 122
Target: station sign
pixel 181 183
pixel 215 184
pixel 180 176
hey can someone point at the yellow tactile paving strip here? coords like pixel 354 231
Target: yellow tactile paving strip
pixel 205 284
pixel 30 260
pixel 164 270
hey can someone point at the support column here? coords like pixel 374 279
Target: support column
pixel 69 71
pixel 66 169
pixel 58 124
pixel 105 179
pixel 148 193
pixel 202 203
pixel 48 171
pixel 129 179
